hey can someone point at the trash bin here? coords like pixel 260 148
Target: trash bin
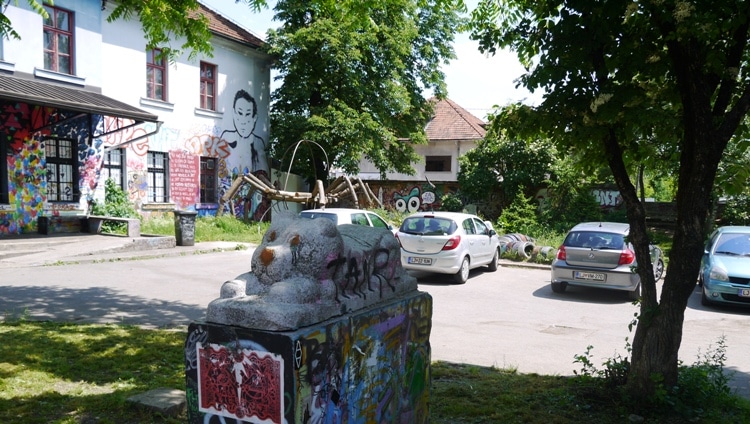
pixel 184 227
pixel 42 225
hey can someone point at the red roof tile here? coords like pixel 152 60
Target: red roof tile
pixel 452 122
pixel 222 26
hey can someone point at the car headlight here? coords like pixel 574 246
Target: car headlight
pixel 718 273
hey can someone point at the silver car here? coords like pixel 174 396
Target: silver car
pixel 447 243
pixel 597 254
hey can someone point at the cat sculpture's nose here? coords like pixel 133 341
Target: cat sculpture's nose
pixel 266 256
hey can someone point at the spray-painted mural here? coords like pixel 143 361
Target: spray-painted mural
pixel 24 131
pixel 409 197
pixel 367 367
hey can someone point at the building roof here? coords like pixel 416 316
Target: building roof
pixel 53 95
pixel 452 122
pixel 225 27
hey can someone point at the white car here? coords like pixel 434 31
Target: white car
pixel 448 243
pixel 341 216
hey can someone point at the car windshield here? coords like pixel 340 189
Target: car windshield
pixel 733 244
pixel 595 240
pixel 428 225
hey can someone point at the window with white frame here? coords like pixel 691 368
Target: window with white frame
pixel 158 177
pixel 62 170
pixel 58 40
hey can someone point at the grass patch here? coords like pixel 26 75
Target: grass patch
pixel 223 228
pixel 66 373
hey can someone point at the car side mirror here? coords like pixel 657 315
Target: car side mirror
pixel 493 233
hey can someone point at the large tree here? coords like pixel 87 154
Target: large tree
pixel 636 84
pixel 353 75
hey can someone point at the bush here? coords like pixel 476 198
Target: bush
pixel 520 217
pixel 116 204
pixel 737 211
pixel 451 202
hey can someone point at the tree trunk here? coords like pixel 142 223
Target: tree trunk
pixel 656 344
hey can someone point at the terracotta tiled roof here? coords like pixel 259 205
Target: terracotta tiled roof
pixel 452 122
pixel 224 27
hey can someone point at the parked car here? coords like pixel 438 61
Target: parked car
pixel 725 267
pixel 348 216
pixel 597 254
pixel 447 243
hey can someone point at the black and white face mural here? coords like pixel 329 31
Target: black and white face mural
pixel 242 137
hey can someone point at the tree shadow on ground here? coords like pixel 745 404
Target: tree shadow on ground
pixel 93 305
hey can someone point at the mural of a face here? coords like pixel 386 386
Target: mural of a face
pixel 409 202
pixel 244 116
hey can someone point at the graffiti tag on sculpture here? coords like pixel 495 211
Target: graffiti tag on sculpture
pixel 306 271
pixel 241 384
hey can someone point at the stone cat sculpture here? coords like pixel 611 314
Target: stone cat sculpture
pixel 308 270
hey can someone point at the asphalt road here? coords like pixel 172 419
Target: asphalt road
pixel 508 319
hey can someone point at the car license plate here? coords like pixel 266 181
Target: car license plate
pixel 744 293
pixel 594 276
pixel 419 261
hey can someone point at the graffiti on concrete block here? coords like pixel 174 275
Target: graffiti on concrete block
pixel 240 383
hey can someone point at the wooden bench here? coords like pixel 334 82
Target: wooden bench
pixel 95 224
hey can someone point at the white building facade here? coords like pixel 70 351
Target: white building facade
pixel 82 100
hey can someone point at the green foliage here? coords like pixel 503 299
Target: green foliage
pixel 505 166
pixel 116 204
pixel 737 210
pixel 353 74
pixel 520 217
pixel 563 212
pixel 701 391
pixel 451 202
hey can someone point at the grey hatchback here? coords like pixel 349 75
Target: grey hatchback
pixel 597 254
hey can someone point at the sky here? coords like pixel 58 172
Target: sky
pixel 475 81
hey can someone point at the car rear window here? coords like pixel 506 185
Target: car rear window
pixel 312 215
pixel 426 225
pixel 595 239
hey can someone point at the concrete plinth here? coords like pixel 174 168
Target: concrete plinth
pixel 371 365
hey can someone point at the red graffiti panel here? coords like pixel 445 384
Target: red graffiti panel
pixel 240 383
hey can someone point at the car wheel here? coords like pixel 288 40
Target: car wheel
pixel 463 272
pixel 559 287
pixel 659 271
pixel 705 301
pixel 700 280
pixel 635 294
pixel 492 266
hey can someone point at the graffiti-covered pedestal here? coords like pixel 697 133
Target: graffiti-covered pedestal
pixel 327 327
pixel 372 366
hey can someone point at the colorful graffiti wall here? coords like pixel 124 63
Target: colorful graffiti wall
pixel 410 196
pixel 371 366
pixel 23 129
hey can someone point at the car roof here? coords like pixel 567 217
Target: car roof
pixel 611 227
pixel 456 216
pixel 336 210
pixel 733 229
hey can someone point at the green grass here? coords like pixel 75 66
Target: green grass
pixel 223 228
pixel 65 373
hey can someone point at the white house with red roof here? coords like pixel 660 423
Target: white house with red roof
pixel 451 132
